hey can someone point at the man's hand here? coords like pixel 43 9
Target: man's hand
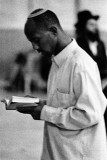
pixel 34 110
pixel 37 110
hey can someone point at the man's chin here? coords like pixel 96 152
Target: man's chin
pixel 46 54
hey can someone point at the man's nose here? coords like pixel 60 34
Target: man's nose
pixel 35 46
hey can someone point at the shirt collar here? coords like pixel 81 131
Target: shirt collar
pixel 65 53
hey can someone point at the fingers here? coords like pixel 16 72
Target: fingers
pixel 25 109
pixel 30 96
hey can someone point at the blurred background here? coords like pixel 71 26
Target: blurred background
pixel 21 72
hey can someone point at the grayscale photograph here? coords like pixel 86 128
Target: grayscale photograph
pixel 53 79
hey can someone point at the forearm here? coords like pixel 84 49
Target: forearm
pixel 89 107
pixel 72 118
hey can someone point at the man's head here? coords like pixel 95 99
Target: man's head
pixel 87 25
pixel 91 30
pixel 41 29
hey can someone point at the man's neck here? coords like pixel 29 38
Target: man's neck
pixel 63 42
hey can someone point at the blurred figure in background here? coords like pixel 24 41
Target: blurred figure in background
pixel 33 78
pixel 28 73
pixel 88 38
pixel 16 79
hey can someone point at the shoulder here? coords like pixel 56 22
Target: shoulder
pixel 79 58
pixel 83 60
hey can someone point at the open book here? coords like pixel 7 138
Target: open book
pixel 14 101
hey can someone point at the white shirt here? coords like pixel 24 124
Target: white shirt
pixel 93 47
pixel 74 123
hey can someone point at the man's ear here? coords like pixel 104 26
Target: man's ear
pixel 53 29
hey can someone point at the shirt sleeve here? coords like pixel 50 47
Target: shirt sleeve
pixel 88 109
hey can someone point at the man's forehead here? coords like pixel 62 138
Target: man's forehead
pixel 31 25
pixel 31 29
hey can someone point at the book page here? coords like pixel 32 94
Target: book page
pixel 24 99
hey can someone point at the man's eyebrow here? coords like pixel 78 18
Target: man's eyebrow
pixel 33 38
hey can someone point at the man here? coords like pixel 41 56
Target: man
pixel 88 38
pixel 73 113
